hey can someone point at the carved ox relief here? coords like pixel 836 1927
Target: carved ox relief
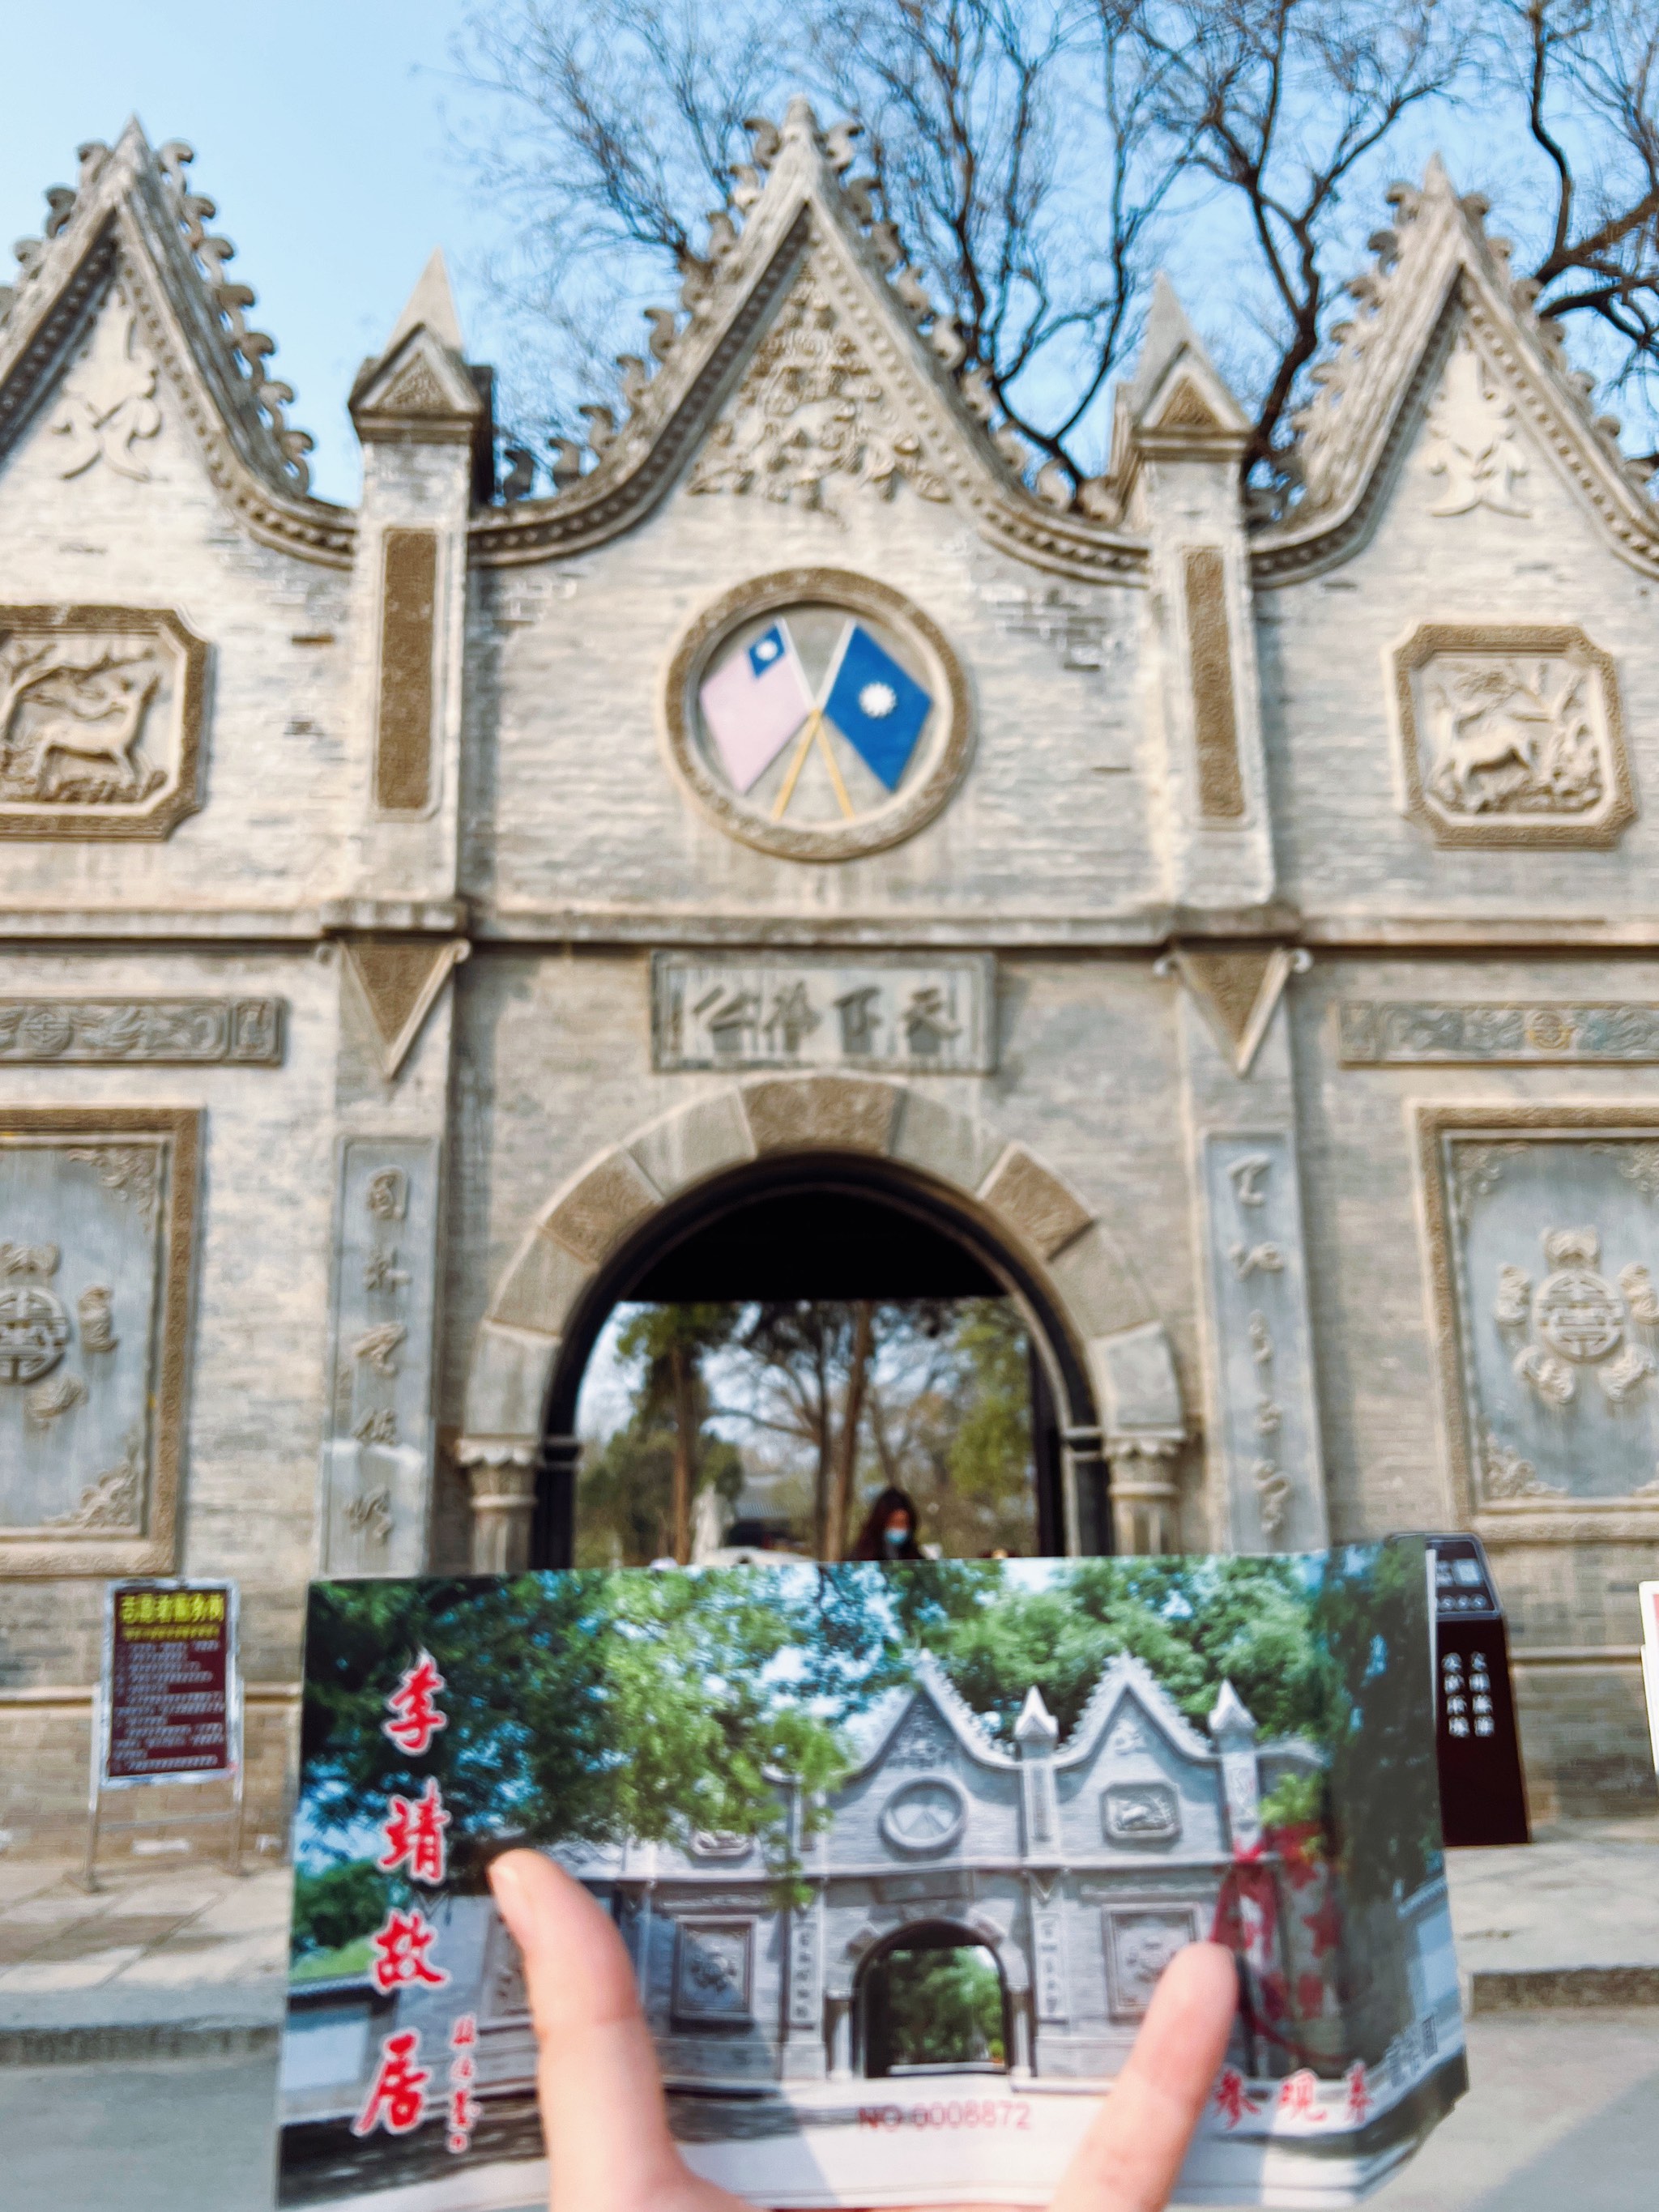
pixel 101 711
pixel 1511 735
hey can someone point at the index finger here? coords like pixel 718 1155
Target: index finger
pixel 609 2148
pixel 1129 2159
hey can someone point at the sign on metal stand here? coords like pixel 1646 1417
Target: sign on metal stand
pixel 168 1706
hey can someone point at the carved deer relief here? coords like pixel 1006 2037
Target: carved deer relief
pixel 1512 734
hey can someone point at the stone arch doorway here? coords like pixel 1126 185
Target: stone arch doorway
pixel 703 1182
pixel 932 1998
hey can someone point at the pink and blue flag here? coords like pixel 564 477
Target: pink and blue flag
pixel 755 702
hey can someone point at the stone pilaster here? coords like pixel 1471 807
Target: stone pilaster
pixel 503 1483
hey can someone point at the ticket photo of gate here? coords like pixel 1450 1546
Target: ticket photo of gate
pixel 898 1854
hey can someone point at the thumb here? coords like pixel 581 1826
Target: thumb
pixel 609 2148
pixel 1131 2157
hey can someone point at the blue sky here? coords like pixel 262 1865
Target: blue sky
pixel 326 133
pixel 322 131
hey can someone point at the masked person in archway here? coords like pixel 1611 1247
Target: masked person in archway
pixel 890 1529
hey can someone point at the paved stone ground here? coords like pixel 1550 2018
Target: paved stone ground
pixel 165 1953
pixel 1563 2110
pixel 172 1951
pixel 1574 1919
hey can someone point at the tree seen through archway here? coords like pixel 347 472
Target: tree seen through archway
pixel 933 2001
pixel 771 1426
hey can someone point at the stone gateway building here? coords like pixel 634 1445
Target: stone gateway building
pixel 1233 933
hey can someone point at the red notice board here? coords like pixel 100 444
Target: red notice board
pixel 170 1696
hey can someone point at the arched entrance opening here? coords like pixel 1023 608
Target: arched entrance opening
pixel 932 1999
pixel 833 1227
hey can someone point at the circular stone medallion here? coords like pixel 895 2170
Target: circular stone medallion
pixel 817 714
pixel 34 1331
pixel 924 1815
pixel 1579 1312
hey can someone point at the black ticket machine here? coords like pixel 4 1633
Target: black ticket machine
pixel 1483 1798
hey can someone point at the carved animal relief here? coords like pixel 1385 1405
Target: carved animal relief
pixel 809 410
pixel 1557 1320
pixel 100 715
pixel 1511 736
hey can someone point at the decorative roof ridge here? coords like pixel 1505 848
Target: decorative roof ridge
pixel 795 195
pixel 1125 1673
pixel 1438 252
pixel 967 1724
pixel 131 215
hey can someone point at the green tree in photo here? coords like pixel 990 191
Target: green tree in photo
pixel 944 2008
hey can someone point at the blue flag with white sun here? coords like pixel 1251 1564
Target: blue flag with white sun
pixel 877 706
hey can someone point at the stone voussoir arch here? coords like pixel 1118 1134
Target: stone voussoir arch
pixel 1023 1203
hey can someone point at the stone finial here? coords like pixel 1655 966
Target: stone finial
pixel 1036 1730
pixel 1231 1723
pixel 431 305
pixel 1176 389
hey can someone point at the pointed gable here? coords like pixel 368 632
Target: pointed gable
pixel 1504 371
pixel 132 233
pixel 1128 1685
pixel 806 360
pixel 928 1725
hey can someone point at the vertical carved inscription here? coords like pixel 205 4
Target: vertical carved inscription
pixel 1215 729
pixel 402 737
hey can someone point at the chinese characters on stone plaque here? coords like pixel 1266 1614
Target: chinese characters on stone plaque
pixel 378 1457
pixel 913 1016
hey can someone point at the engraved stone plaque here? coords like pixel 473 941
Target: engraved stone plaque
pixel 1553 1251
pixel 712 1965
pixel 1263 1354
pixel 95 1224
pixel 1411 1032
pixel 912 1016
pixel 1140 1942
pixel 190 1032
pixel 377 1462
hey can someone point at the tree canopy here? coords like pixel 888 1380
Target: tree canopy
pixel 1041 158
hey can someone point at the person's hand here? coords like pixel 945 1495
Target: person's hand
pixel 609 2147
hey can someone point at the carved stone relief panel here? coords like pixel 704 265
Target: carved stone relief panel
pixel 101 721
pixel 108 412
pixel 1472 452
pixel 1263 1352
pixel 377 1458
pixel 1423 1032
pixel 811 417
pixel 1545 1247
pixel 915 1017
pixel 713 1969
pixel 96 1213
pixel 106 1032
pixel 1511 734
pixel 1140 1942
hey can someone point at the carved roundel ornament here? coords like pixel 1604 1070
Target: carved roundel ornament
pixel 817 714
pixel 925 1815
